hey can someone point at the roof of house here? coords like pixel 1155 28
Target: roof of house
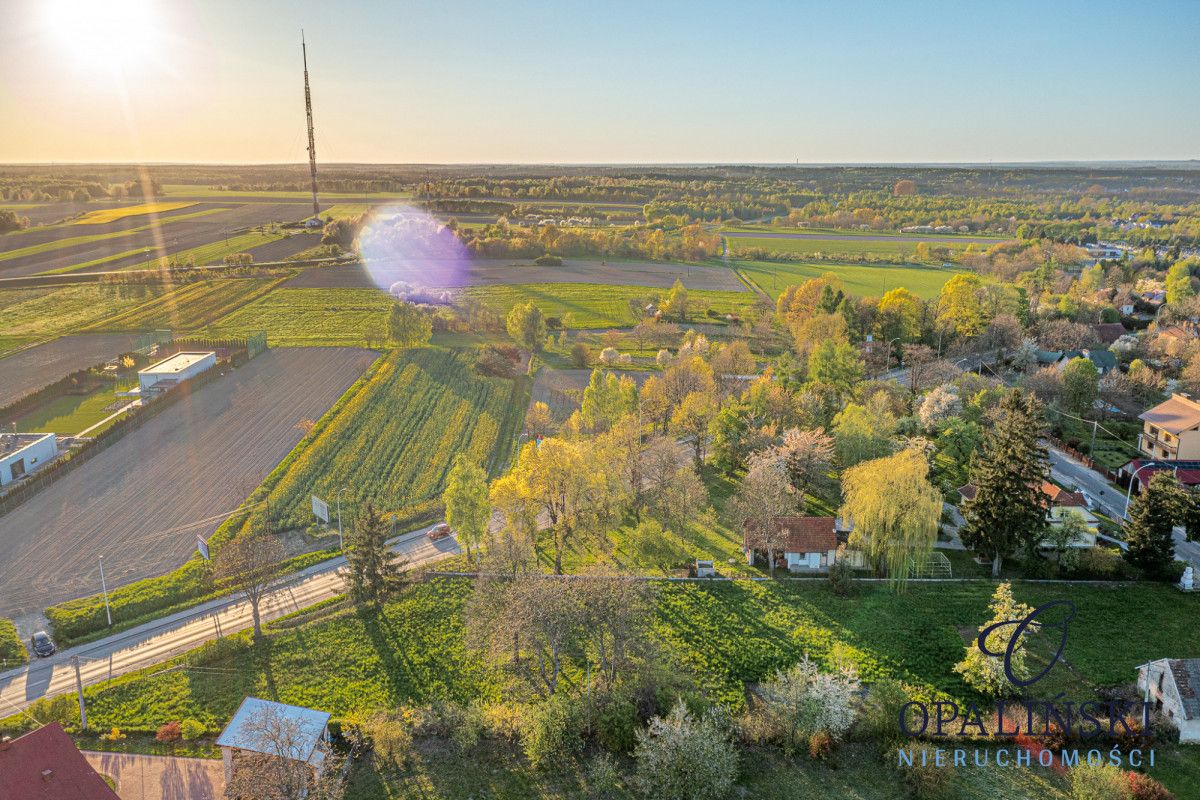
pixel 250 729
pixel 1109 332
pixel 46 765
pixel 801 534
pixel 1186 472
pixel 1186 674
pixel 1184 330
pixel 1058 496
pixel 1103 359
pixel 1174 415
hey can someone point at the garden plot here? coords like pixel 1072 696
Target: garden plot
pixel 28 370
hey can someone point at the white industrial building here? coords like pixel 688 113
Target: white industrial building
pixel 175 369
pixel 22 453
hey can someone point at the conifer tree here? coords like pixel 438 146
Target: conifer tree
pixel 1008 512
pixel 372 572
pixel 1149 531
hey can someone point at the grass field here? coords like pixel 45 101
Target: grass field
pixel 859 279
pixel 191 306
pixel 58 244
pixel 586 305
pixel 189 190
pixel 71 414
pixel 103 215
pixel 344 210
pixel 902 249
pixel 42 314
pixel 215 252
pixel 296 317
pixel 395 439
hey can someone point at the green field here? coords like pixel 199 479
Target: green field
pixel 71 414
pixel 897 248
pixel 344 210
pixel 304 317
pixel 215 252
pixel 192 306
pixel 396 436
pixel 866 280
pixel 588 305
pixel 190 190
pixel 71 241
pixel 103 215
pixel 41 313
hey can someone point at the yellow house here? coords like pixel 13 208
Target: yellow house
pixel 1171 430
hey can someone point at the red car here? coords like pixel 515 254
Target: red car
pixel 439 531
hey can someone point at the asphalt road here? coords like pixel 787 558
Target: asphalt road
pixel 163 639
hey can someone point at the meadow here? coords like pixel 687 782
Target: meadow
pixel 192 306
pixel 298 317
pixel 103 215
pixel 45 313
pixel 395 436
pixel 864 280
pixel 585 305
pixel 901 249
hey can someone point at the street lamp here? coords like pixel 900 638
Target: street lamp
pixel 1133 477
pixel 887 355
pixel 104 586
pixel 341 540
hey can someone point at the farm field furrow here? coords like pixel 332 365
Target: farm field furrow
pixel 142 502
pixel 191 306
pixel 282 249
pixel 30 369
pixel 395 439
pixel 299 317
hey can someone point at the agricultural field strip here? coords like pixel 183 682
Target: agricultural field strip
pixel 62 244
pixel 190 306
pixel 193 460
pixel 864 280
pixel 214 252
pixel 32 368
pixel 850 235
pixel 104 215
pixel 310 317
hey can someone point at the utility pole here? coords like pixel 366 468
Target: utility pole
pixel 1092 446
pixel 312 144
pixel 104 586
pixel 79 691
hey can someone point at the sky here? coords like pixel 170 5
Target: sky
pixel 460 81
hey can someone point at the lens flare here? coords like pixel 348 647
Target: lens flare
pixel 413 255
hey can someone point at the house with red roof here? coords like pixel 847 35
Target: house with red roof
pixel 798 544
pixel 46 765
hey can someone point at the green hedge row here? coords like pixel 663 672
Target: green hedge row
pixel 12 649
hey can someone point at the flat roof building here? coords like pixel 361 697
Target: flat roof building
pixel 22 453
pixel 175 369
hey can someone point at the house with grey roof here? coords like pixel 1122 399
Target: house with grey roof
pixel 262 728
pixel 1173 686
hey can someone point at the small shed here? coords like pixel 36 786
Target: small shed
pixel 278 730
pixel 1173 686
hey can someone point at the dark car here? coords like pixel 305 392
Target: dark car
pixel 43 645
pixel 439 531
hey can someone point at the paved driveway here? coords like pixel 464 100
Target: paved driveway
pixel 161 777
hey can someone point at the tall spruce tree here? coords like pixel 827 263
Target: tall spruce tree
pixel 372 568
pixel 1149 531
pixel 1008 512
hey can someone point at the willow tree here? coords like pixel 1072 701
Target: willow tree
pixel 895 511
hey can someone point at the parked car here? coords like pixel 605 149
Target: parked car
pixel 43 645
pixel 439 531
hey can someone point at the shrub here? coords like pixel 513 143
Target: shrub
pixel 603 779
pixel 581 355
pixel 12 650
pixel 168 732
pixel 880 715
pixel 1143 787
pixel 1098 564
pixel 805 701
pixel 841 575
pixel 617 724
pixel 924 778
pixel 550 733
pixel 503 721
pixel 493 363
pixel 548 260
pixel 682 757
pixel 389 734
pixel 191 729
pixel 1104 782
pixel 820 745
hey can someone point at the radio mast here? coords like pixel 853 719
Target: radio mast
pixel 312 145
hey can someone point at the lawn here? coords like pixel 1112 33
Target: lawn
pixel 44 314
pixel 587 305
pixel 395 436
pixel 859 279
pixel 71 414
pixel 104 215
pixel 193 305
pixel 302 317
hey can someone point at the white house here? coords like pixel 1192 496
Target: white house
pixel 1173 685
pixel 278 730
pixel 22 453
pixel 175 369
pixel 802 544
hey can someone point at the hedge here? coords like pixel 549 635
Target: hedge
pixel 12 649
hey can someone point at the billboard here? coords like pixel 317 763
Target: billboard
pixel 202 546
pixel 320 509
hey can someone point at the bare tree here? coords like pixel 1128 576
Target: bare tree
pixel 282 765
pixel 249 564
pixel 765 494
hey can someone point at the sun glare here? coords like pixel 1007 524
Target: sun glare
pixel 116 33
